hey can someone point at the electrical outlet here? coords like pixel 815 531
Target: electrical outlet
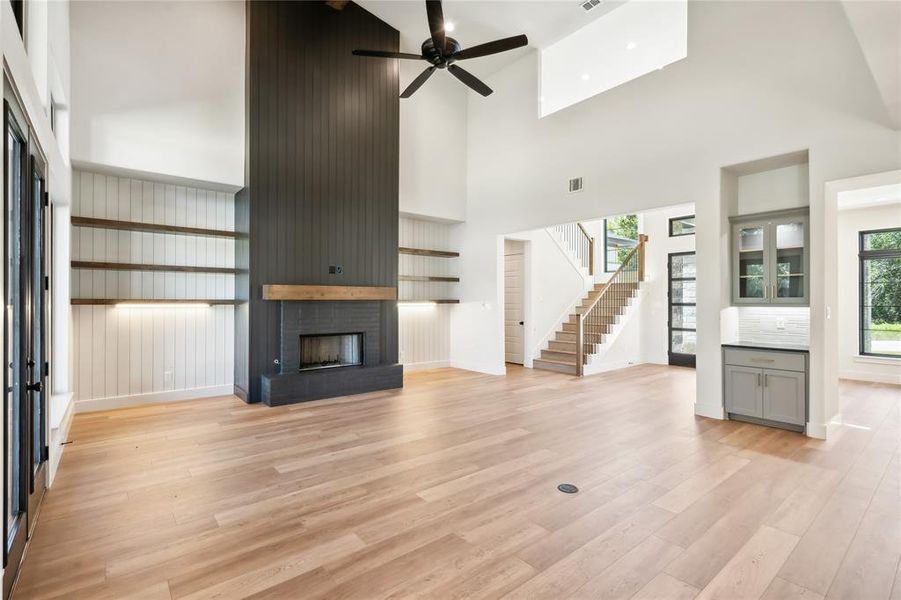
pixel 335 269
pixel 168 379
pixel 780 323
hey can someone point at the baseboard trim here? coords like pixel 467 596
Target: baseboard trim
pixel 712 411
pixel 112 402
pixel 58 435
pixel 426 365
pixel 479 368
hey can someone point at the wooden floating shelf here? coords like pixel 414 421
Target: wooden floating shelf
pixel 328 292
pixel 149 227
pixel 424 252
pixel 440 301
pixel 126 301
pixel 428 278
pixel 114 266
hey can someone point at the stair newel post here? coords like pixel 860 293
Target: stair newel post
pixel 642 240
pixel 591 256
pixel 580 336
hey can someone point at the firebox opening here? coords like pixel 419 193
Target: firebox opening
pixel 327 351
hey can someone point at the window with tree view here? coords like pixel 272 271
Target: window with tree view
pixel 880 292
pixel 620 237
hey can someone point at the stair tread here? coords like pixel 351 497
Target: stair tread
pixel 552 360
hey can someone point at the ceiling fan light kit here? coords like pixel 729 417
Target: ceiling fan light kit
pixel 443 51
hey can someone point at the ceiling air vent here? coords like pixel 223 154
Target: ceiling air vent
pixel 575 185
pixel 589 4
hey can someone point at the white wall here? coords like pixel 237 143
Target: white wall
pixel 760 79
pixel 424 330
pixel 158 87
pixel 127 356
pixel 850 224
pixel 432 146
pixel 776 189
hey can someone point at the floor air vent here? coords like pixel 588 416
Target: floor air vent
pixel 589 4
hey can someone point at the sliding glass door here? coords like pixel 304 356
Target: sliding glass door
pixel 683 320
pixel 25 402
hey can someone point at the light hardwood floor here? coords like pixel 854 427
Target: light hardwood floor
pixel 447 489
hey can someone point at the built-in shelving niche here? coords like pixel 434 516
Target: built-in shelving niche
pixel 169 249
pixel 424 276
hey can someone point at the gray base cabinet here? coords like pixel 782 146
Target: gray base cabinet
pixel 766 385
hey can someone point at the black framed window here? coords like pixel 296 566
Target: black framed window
pixel 620 236
pixel 679 226
pixel 880 292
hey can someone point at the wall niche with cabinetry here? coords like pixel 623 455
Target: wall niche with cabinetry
pixel 767 202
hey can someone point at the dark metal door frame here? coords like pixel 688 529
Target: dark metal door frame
pixel 677 358
pixel 25 372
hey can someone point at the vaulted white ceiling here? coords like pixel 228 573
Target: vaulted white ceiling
pixel 877 26
pixel 543 21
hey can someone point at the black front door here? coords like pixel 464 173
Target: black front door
pixel 682 308
pixel 25 399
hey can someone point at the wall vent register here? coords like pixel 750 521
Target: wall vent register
pixel 589 4
pixel 575 185
pixel 327 351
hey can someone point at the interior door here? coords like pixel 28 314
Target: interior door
pixel 25 399
pixel 513 308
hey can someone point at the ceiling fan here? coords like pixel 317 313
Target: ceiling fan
pixel 443 51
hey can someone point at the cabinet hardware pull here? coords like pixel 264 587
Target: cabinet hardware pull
pixel 763 360
pixel 758 380
pixel 764 380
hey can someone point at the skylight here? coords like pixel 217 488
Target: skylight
pixel 626 43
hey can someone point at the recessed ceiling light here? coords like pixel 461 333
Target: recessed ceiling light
pixel 585 77
pixel 448 26
pixel 631 46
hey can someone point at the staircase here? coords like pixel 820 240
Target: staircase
pixel 582 334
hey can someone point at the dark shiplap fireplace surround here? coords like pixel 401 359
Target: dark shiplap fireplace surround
pixel 322 176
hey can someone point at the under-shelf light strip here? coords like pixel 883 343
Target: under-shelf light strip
pixel 162 305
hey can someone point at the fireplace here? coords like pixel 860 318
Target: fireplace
pixel 332 348
pixel 328 351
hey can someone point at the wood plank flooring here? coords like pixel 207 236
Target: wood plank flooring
pixel 447 489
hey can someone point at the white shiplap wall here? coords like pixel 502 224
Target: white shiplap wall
pixel 125 356
pixel 424 330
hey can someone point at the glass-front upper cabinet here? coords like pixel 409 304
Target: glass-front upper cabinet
pixel 770 263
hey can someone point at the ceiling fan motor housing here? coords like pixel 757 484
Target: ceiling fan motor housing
pixel 431 54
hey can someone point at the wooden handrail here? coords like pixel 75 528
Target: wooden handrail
pixel 617 277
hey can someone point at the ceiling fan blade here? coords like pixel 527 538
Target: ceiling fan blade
pixel 417 83
pixel 384 54
pixel 510 43
pixel 469 79
pixel 436 23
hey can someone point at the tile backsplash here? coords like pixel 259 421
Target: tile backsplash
pixel 778 324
